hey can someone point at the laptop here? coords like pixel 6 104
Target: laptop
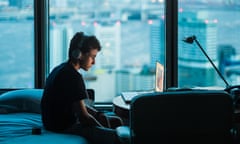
pixel 159 85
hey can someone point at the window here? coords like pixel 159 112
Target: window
pixel 16 44
pixel 216 27
pixel 132 38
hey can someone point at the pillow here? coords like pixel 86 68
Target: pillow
pixel 24 100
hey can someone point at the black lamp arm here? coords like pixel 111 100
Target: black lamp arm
pixel 219 73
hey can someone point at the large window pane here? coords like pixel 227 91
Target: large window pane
pixel 132 37
pixel 216 26
pixel 16 44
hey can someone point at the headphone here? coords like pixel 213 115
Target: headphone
pixel 76 53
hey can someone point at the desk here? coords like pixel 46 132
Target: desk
pixel 121 108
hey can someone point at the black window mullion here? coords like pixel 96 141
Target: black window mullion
pixel 41 41
pixel 171 34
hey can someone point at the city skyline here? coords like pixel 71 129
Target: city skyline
pixel 132 41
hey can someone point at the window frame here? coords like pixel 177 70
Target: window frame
pixel 171 35
pixel 41 31
pixel 41 43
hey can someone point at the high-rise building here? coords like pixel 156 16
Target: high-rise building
pixel 194 68
pixel 123 79
pixel 131 81
pixel 21 3
pixel 107 60
pixel 225 52
pixel 157 42
pixel 109 34
pixel 60 36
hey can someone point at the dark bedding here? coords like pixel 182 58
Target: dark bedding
pixel 18 124
pixel 20 113
pixel 16 128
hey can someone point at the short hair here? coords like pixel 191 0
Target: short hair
pixel 82 43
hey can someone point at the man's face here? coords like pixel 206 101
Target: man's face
pixel 88 59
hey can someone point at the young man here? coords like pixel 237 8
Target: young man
pixel 62 105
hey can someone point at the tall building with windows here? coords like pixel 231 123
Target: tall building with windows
pixel 108 59
pixel 60 36
pixel 194 67
pixel 109 34
pixel 15 3
pixel 130 81
pixel 123 79
pixel 144 81
pixel 20 3
pixel 157 51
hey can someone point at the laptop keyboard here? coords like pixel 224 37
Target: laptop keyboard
pixel 128 96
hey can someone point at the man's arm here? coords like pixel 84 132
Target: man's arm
pixel 84 116
pixel 90 108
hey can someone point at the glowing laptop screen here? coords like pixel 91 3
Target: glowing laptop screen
pixel 159 77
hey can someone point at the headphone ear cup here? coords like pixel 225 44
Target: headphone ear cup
pixel 76 54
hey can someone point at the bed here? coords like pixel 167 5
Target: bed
pixel 20 120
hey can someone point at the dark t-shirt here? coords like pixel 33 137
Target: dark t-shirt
pixel 63 87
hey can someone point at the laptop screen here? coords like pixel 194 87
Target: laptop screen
pixel 159 77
